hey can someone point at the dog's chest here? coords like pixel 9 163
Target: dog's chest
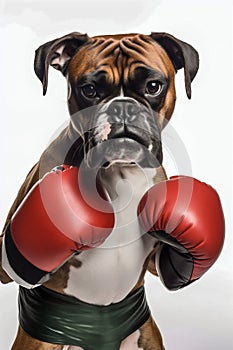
pixel 108 273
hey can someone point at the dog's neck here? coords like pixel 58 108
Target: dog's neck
pixel 121 177
pixel 125 184
pixel 122 181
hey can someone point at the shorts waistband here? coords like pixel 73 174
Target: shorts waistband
pixel 61 319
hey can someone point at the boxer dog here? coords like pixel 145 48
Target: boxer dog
pixel 121 94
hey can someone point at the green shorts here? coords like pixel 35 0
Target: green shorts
pixel 60 319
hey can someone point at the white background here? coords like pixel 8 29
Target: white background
pixel 200 316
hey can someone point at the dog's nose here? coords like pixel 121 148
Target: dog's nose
pixel 123 110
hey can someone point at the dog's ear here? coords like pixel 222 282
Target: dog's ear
pixel 181 54
pixel 57 53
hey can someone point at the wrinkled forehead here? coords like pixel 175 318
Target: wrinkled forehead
pixel 119 56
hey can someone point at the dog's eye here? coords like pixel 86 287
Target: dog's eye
pixel 153 88
pixel 89 91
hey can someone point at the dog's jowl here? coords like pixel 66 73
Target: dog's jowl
pixel 97 211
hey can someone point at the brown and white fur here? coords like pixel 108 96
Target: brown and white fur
pixel 107 274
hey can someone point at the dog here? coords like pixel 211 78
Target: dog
pixel 121 94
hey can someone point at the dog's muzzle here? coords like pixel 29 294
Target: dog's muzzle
pixel 123 131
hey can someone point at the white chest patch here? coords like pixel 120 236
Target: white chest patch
pixel 108 273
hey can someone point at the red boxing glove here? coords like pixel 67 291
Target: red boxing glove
pixel 53 223
pixel 186 216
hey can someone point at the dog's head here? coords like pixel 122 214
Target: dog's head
pixel 121 92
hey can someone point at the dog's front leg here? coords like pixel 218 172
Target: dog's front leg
pixel 4 278
pixel 31 178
